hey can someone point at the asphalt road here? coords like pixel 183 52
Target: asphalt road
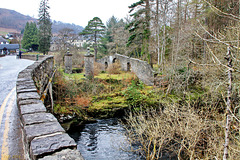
pixel 11 146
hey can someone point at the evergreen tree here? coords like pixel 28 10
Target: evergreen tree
pixel 94 31
pixel 139 28
pixel 30 36
pixel 111 25
pixel 116 36
pixel 45 27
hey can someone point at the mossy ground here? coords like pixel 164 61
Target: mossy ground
pixel 105 96
pixel 109 94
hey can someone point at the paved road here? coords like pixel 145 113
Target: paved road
pixel 10 133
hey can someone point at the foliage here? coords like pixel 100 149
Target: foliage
pixel 133 95
pixel 116 36
pixel 45 27
pixel 30 36
pixel 139 28
pixel 94 31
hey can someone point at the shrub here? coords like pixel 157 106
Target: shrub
pixel 114 68
pixel 98 68
pixel 178 132
pixel 82 101
pixel 133 94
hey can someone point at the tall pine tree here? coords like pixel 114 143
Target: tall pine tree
pixel 94 30
pixel 139 28
pixel 45 27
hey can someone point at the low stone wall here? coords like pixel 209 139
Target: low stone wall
pixel 33 57
pixel 43 135
pixel 141 68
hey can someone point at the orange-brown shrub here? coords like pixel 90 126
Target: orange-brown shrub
pixel 82 101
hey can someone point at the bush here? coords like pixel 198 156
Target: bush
pixel 133 94
pixel 177 132
pixel 114 68
pixel 82 101
pixel 98 68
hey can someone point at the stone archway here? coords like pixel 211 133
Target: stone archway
pixel 128 66
pixel 114 60
pixel 106 65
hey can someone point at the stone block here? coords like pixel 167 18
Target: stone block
pixel 25 75
pixel 29 87
pixel 28 95
pixel 37 118
pixel 29 101
pixel 32 108
pixel 49 144
pixel 19 80
pixel 42 129
pixel 27 82
pixel 66 154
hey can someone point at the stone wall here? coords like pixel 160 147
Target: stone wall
pixel 33 57
pixel 43 135
pixel 141 68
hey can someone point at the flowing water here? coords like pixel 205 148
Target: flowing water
pixel 104 140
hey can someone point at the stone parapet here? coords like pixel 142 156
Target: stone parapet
pixel 43 135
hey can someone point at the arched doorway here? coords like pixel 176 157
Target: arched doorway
pixel 129 67
pixel 115 60
pixel 106 65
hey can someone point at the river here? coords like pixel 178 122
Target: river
pixel 103 140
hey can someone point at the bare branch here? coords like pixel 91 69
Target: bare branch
pixel 237 18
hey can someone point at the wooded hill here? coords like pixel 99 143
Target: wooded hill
pixel 10 19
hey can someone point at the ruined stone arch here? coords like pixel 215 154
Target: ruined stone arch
pixel 114 60
pixel 128 66
pixel 106 65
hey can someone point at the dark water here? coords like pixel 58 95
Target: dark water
pixel 104 140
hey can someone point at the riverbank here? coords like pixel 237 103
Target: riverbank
pixel 161 119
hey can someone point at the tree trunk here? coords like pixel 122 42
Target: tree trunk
pixel 157 30
pixel 228 113
pixel 147 34
pixel 95 46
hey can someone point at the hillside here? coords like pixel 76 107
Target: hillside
pixel 11 20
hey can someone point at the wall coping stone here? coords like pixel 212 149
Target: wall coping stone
pixel 40 147
pixel 42 129
pixel 32 108
pixel 36 118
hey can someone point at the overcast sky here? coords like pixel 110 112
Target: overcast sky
pixel 72 11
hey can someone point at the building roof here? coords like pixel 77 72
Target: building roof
pixel 3 40
pixel 9 46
